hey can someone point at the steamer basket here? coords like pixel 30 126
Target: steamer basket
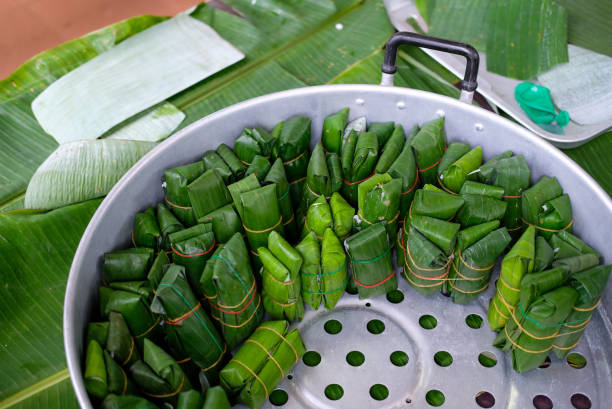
pixel 407 385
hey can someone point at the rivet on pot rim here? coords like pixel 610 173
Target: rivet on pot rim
pixel 479 127
pixel 401 105
pixel 360 101
pixel 339 26
pixel 440 113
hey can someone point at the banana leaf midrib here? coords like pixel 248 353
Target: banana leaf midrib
pixel 198 94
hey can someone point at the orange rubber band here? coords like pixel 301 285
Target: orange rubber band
pixel 280 220
pixel 178 253
pixel 374 285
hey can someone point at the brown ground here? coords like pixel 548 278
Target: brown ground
pixel 28 27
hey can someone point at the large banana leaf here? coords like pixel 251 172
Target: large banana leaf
pixel 36 376
pixel 36 251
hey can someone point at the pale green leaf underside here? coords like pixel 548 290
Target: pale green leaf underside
pixel 24 144
pixel 589 24
pixel 583 87
pixel 154 125
pixel 460 20
pixel 140 72
pixel 525 37
pixel 82 170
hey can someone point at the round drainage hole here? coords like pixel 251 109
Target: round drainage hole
pixel 368 304
pixel 443 358
pixel 580 401
pixel 334 391
pixel 546 363
pixel 428 321
pixel 376 326
pixel 290 377
pixel 485 399
pixel 473 321
pixel 487 359
pixel 279 397
pixel 379 392
pixel 435 398
pixel 575 360
pixel 395 296
pixel 333 327
pixel 312 358
pixel 355 358
pixel 399 358
pixel 542 402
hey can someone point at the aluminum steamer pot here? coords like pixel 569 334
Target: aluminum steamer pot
pixel 461 382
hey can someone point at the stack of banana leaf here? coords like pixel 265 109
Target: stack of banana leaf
pixel 321 215
pixel 546 293
pixel 262 362
pixel 369 252
pixel 547 208
pixel 229 287
pixel 324 272
pixel 282 295
pixel 427 240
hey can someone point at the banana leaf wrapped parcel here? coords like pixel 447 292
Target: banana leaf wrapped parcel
pixel 207 193
pixel 191 248
pixel 355 127
pixel 233 162
pixel 383 131
pixel 324 270
pixel 282 294
pixel 390 149
pixel 190 399
pixel 452 177
pixel 333 129
pixel 427 244
pixel 146 231
pixel 237 188
pixel 378 201
pixel 225 222
pixel 369 252
pixel 262 363
pixel 590 285
pixel 103 375
pixel 478 247
pixel 546 207
pixel 216 398
pixel 454 151
pixel 228 284
pixel 531 332
pixel 277 176
pixel 176 194
pixel 404 168
pixel 337 214
pixel 518 263
pixel 323 176
pixel 158 375
pixel 359 157
pixel 259 167
pixel 292 146
pixel 433 202
pixel 479 209
pixel 196 333
pixel 113 401
pixel 261 216
pixel 544 254
pixel 97 331
pixel 566 245
pixel 429 145
pixel 128 265
pixel 168 224
pixel 121 344
pixel 212 161
pixel 513 175
pixel 253 142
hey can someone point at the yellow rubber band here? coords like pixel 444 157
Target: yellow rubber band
pixel 168 395
pixel 468 292
pixel 185 360
pixel 217 361
pixel 589 308
pixel 297 180
pixel 280 220
pixel 529 351
pixel 252 341
pixel 581 325
pixel 424 268
pixel 472 267
pixel 229 307
pixel 280 282
pixel 545 229
pixel 504 316
pixel 294 159
pixel 508 286
pixel 421 285
pixel 150 328
pixel 569 347
pixel 225 324
pixel 254 374
pixel 530 334
pixel 297 358
pixel 177 206
pixel 131 352
pixel 290 219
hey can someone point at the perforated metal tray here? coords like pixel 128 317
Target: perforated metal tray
pixel 111 226
pixel 461 382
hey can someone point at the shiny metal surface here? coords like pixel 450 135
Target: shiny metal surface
pixel 111 226
pixel 497 88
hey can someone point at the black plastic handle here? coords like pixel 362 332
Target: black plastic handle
pixel 473 59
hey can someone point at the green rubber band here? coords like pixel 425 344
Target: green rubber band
pixel 327 292
pixel 284 194
pixel 372 259
pixel 326 274
pixel 195 313
pixel 246 288
pixel 539 324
